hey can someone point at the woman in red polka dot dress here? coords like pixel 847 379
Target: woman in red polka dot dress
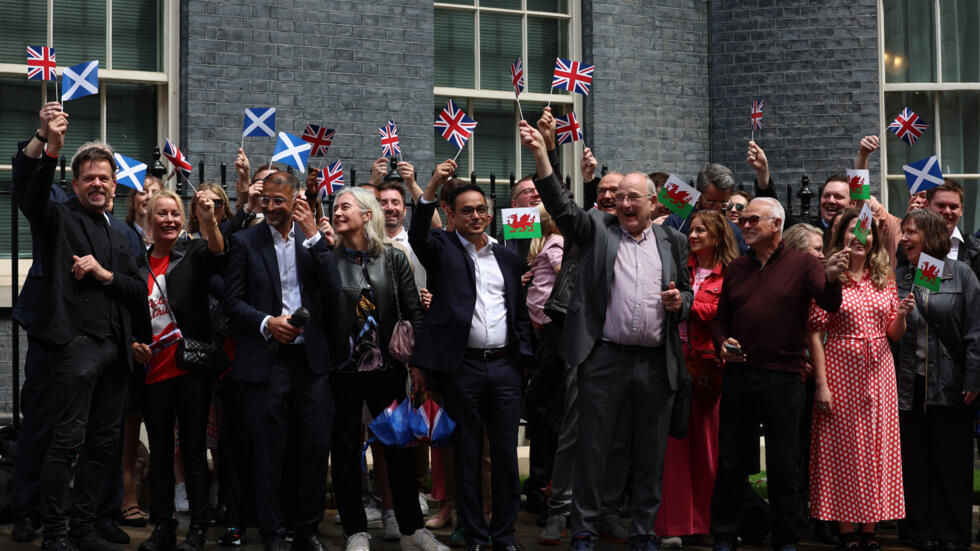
pixel 855 452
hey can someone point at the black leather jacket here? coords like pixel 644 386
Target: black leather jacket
pixel 951 320
pixel 354 278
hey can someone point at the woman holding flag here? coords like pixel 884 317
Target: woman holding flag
pixel 938 367
pixel 855 453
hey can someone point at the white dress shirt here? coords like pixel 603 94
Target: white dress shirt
pixel 955 240
pixel 489 326
pixel 418 269
pixel 288 276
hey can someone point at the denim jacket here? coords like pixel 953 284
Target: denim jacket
pixel 951 320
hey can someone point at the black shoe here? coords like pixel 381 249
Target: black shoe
pixel 232 537
pixel 275 544
pixel 505 548
pixel 163 538
pixel 308 543
pixel 477 547
pixel 25 529
pixel 62 543
pixel 93 541
pixel 112 532
pixel 196 536
pixel 923 545
pixel 823 532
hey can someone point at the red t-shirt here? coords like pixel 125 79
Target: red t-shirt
pixel 163 365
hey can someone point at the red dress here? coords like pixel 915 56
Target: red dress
pixel 855 450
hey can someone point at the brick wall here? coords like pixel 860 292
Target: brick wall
pixel 814 62
pixel 6 362
pixel 344 64
pixel 648 109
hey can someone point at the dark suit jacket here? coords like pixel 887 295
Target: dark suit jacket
pixel 450 277
pixel 253 291
pixel 598 236
pixel 72 306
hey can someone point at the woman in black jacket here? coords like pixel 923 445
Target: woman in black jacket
pixel 937 363
pixel 374 277
pixel 176 274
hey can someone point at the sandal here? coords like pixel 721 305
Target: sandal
pixel 133 516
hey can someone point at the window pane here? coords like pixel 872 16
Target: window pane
pixel 136 35
pixel 960 112
pixel 83 123
pixel 453 39
pixel 543 38
pixel 507 4
pixel 79 32
pixel 971 206
pixel 460 2
pixel 21 101
pixel 960 20
pixel 30 17
pixel 900 153
pixel 495 138
pixel 500 45
pixel 557 6
pixel 909 41
pixel 445 150
pixel 131 119
pixel 532 112
pixel 23 227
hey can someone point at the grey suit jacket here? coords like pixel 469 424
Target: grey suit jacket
pixel 598 234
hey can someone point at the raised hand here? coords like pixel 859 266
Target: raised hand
pixel 546 125
pixel 589 164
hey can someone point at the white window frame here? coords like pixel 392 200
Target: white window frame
pixel 573 19
pixel 934 88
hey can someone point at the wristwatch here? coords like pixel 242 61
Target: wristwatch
pixel 37 134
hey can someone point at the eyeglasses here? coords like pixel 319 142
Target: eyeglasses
pixel 605 190
pixel 218 203
pixel 277 201
pixel 631 198
pixel 481 210
pixel 527 191
pixel 707 203
pixel 737 207
pixel 752 220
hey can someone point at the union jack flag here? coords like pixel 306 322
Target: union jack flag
pixel 320 137
pixel 40 63
pixel 330 180
pixel 757 115
pixel 456 127
pixel 908 126
pixel 517 76
pixel 176 158
pixel 568 129
pixel 573 76
pixel 389 140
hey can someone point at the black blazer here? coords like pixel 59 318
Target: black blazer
pixel 72 306
pixel 449 270
pixel 191 266
pixel 253 291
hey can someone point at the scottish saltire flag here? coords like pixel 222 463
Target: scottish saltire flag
pixel 455 126
pixel 517 76
pixel 176 158
pixel 429 422
pixel 859 182
pixel 923 175
pixel 330 180
pixel 320 138
pixel 80 80
pixel 678 196
pixel 573 76
pixel 521 222
pixel 863 226
pixel 389 140
pixel 929 271
pixel 130 172
pixel 567 129
pixel 259 121
pixel 908 126
pixel 757 114
pixel 40 63
pixel 291 150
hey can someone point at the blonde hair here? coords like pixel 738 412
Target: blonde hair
pixel 152 205
pixel 798 236
pixel 374 228
pixel 876 261
pixel 548 228
pixel 193 225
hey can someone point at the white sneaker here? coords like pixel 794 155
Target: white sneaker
pixel 423 504
pixel 359 542
pixel 390 525
pixel 373 513
pixel 671 543
pixel 180 498
pixel 421 540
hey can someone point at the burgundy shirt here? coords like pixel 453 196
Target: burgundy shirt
pixel 765 308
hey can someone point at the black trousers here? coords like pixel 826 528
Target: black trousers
pixel 544 405
pixel 88 393
pixel 186 398
pixel 485 393
pixel 378 389
pixel 236 468
pixel 751 396
pixel 937 471
pixel 291 399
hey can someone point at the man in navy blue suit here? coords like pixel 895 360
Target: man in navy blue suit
pixel 274 269
pixel 475 336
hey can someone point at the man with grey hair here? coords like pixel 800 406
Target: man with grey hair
pixel 760 331
pixel 716 184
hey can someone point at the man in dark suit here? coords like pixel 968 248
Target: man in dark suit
pixel 474 336
pixel 621 329
pixel 85 322
pixel 274 269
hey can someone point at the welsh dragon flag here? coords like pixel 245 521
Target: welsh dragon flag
pixel 928 272
pixel 858 180
pixel 521 223
pixel 678 196
pixel 863 226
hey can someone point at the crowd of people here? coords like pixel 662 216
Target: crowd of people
pixel 646 351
